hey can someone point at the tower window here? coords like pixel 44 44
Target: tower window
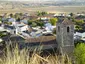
pixel 68 29
pixel 59 28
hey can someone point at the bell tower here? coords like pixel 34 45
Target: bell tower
pixel 65 34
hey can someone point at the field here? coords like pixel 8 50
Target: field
pixel 50 9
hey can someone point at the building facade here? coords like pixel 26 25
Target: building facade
pixel 65 36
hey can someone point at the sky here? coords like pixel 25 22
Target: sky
pixel 34 0
pixel 42 0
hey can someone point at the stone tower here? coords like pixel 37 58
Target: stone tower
pixel 65 41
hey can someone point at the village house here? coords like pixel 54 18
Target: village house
pixel 63 41
pixel 21 27
pixel 79 36
pixel 25 20
pixel 10 29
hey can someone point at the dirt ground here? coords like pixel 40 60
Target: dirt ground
pixel 50 9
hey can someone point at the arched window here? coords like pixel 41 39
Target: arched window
pixel 68 29
pixel 58 28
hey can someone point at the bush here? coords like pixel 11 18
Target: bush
pixel 2 35
pixel 53 21
pixel 54 31
pixel 78 28
pixel 29 22
pixel 41 24
pixel 79 53
pixel 34 24
pixel 17 56
pixel 79 22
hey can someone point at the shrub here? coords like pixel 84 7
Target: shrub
pixel 54 31
pixel 79 53
pixel 17 56
pixel 34 24
pixel 53 21
pixel 41 24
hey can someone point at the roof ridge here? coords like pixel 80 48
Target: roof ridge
pixel 67 21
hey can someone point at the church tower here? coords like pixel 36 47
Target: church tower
pixel 65 34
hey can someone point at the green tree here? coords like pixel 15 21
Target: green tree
pixel 79 53
pixel 17 15
pixel 39 13
pixel 41 24
pixel 20 14
pixel 53 21
pixel 0 18
pixel 54 31
pixel 34 24
pixel 18 19
pixel 9 23
pixel 29 22
pixel 77 27
pixel 79 22
pixel 71 14
pixel 43 13
pixel 11 15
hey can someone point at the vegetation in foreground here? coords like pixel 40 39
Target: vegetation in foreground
pixel 16 56
pixel 79 53
pixel 13 55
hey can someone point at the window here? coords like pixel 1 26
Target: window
pixel 58 28
pixel 68 29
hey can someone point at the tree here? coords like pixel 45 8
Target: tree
pixel 17 15
pixel 9 23
pixel 79 53
pixel 53 21
pixel 0 18
pixel 20 14
pixel 41 24
pixel 43 13
pixel 34 24
pixel 79 22
pixel 18 19
pixel 77 27
pixel 29 22
pixel 54 31
pixel 39 13
pixel 11 15
pixel 71 14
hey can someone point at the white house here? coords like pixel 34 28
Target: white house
pixel 10 29
pixel 1 40
pixel 80 14
pixel 2 29
pixel 26 34
pixel 21 27
pixel 78 35
pixel 48 27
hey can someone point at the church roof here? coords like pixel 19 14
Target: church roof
pixel 66 21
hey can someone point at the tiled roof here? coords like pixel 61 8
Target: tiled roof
pixel 42 39
pixel 66 21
